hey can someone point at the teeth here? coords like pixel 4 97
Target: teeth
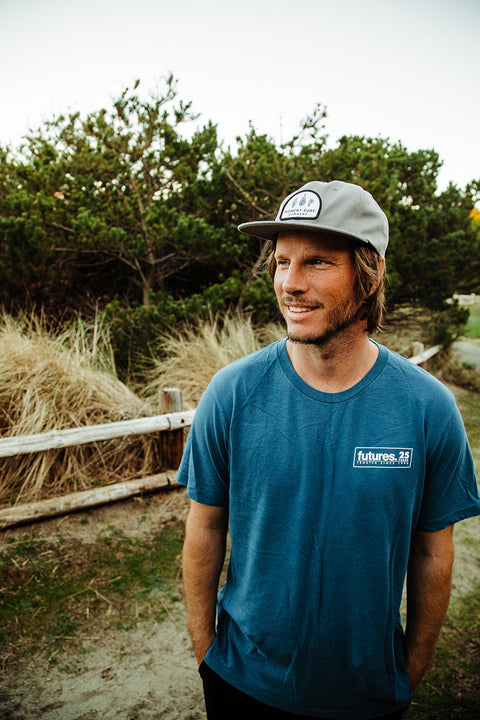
pixel 296 309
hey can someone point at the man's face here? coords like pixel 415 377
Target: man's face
pixel 314 283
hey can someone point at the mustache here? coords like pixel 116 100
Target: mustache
pixel 292 300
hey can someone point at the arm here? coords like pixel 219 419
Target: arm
pixel 428 594
pixel 203 556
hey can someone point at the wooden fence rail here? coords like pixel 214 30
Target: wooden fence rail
pixel 170 424
pixel 84 499
pixel 425 355
pixel 54 439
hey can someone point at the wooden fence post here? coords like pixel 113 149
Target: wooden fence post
pixel 171 443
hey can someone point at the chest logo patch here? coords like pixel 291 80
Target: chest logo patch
pixel 378 457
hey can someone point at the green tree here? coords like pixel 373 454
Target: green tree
pixel 136 211
pixel 26 268
pixel 430 233
pixel 108 196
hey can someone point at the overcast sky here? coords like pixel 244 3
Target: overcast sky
pixel 400 69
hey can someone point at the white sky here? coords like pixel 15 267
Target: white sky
pixel 400 69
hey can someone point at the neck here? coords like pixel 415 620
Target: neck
pixel 336 366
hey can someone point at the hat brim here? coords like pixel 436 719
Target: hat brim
pixel 268 229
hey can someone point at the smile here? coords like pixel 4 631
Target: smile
pixel 299 308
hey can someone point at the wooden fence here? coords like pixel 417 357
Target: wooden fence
pixel 424 355
pixel 170 424
pixel 55 439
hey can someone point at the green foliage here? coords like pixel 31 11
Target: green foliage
pixel 111 197
pixel 133 210
pixel 135 329
pixel 449 324
pixel 251 182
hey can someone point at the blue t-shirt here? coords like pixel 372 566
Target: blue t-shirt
pixel 324 493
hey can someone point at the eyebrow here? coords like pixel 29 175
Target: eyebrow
pixel 314 255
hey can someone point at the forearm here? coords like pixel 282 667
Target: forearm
pixel 203 557
pixel 428 594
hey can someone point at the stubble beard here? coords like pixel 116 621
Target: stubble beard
pixel 338 320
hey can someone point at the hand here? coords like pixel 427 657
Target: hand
pixel 415 673
pixel 201 646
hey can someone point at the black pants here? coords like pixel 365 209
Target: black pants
pixel 224 702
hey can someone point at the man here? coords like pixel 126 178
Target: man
pixel 337 466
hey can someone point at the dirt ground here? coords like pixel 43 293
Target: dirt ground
pixel 149 671
pixel 146 672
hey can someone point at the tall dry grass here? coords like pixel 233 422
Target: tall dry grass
pixel 195 353
pixel 61 381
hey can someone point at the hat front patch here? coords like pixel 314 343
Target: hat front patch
pixel 304 205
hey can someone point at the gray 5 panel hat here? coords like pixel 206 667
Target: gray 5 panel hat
pixel 336 208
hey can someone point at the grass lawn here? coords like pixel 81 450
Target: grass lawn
pixel 473 326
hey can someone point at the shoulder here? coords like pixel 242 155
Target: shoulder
pixel 234 384
pixel 250 366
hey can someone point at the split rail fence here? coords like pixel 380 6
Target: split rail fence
pixel 171 424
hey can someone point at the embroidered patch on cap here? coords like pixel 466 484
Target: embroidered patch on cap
pixel 304 205
pixel 371 457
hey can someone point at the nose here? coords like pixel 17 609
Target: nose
pixel 295 279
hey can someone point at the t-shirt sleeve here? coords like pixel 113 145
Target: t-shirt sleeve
pixel 451 490
pixel 204 466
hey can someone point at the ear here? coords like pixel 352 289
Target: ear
pixel 381 273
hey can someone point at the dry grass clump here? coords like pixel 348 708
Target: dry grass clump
pixel 52 382
pixel 194 354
